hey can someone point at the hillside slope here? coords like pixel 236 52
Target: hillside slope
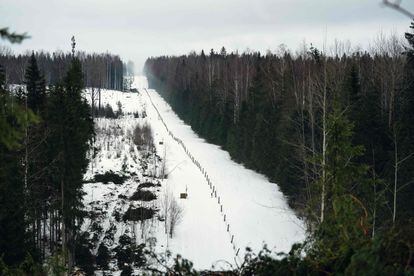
pixel 228 207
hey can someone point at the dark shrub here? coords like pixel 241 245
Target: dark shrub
pixel 110 177
pixel 138 214
pixel 143 195
pixel 148 185
pixel 103 257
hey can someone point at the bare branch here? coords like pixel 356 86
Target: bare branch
pixel 396 5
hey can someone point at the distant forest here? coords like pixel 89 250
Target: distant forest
pixel 335 132
pixel 99 70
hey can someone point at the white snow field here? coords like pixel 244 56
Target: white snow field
pixel 228 207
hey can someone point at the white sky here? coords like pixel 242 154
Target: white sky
pixel 137 29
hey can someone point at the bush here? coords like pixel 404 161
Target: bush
pixel 138 214
pixel 125 240
pixel 106 112
pixel 142 136
pixel 110 177
pixel 103 257
pixel 83 255
pixel 148 185
pixel 129 254
pixel 143 195
pixel 127 271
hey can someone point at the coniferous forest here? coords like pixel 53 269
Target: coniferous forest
pixel 44 138
pixel 99 70
pixel 335 131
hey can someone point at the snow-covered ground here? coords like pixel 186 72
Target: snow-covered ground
pixel 228 207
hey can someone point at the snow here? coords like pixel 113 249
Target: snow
pixel 256 211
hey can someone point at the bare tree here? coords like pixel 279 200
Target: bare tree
pixel 163 164
pixel 165 206
pixel 94 97
pixel 171 211
pixel 143 136
pixel 176 214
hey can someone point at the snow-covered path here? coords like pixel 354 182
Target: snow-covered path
pixel 255 209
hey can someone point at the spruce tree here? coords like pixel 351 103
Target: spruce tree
pixel 346 225
pixel 13 122
pixel 36 177
pixel 71 130
pixel 35 86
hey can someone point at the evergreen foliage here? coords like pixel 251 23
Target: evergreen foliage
pixel 35 86
pixel 42 163
pixel 99 70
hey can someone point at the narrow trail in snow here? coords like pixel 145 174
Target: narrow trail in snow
pixel 214 193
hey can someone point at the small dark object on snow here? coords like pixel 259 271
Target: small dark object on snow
pixel 183 195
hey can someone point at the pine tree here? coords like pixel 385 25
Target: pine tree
pixel 36 177
pixel 13 122
pixel 71 130
pixel 35 86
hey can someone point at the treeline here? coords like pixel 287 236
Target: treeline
pixel 44 139
pixel 99 70
pixel 334 131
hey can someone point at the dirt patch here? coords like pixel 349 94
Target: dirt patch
pixel 110 177
pixel 143 195
pixel 138 214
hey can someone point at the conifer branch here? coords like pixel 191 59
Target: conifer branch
pixel 12 37
pixel 396 5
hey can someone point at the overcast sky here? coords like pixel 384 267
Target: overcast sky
pixel 137 29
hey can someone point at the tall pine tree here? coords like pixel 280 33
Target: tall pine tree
pixel 71 130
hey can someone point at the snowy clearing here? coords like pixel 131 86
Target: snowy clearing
pixel 228 207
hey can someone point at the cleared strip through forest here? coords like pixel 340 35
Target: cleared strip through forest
pixel 214 193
